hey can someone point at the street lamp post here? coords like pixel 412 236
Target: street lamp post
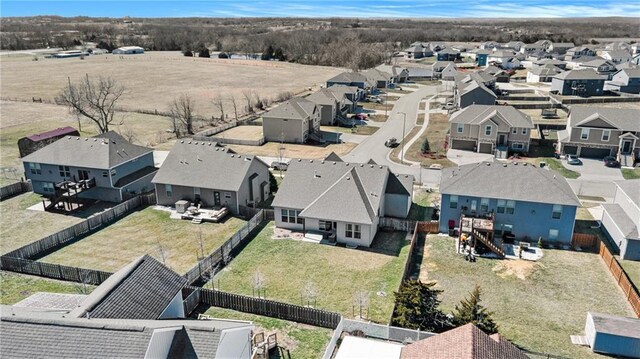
pixel 404 122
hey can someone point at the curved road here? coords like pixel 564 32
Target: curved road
pixel 373 146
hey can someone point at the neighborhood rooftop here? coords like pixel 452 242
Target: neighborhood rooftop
pixel 478 114
pixel 625 119
pixel 53 133
pixel 297 108
pixel 513 181
pixel 582 74
pixel 103 151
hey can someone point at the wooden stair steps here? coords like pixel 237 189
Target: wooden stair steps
pixel 495 249
pixel 196 220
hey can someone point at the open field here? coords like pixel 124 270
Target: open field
pixel 243 133
pixel 358 130
pixel 21 226
pixel 154 79
pixel 148 231
pixel 16 287
pixel 302 341
pixel 337 273
pixel 536 304
pixel 294 150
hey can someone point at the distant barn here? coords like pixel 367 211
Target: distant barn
pixel 30 144
pixel 128 50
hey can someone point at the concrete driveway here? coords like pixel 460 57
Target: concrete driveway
pixel 595 170
pixel 461 157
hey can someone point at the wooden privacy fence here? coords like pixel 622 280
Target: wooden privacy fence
pixel 61 238
pixel 13 189
pixel 621 277
pixel 584 241
pixel 428 227
pixel 221 256
pixel 269 308
pixel 53 271
pixel 397 224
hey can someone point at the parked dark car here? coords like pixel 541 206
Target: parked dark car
pixel 611 161
pixel 392 142
pixel 360 116
pixel 279 166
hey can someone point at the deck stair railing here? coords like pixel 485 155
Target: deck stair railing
pixel 487 242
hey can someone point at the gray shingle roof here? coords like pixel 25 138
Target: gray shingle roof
pixel 196 164
pixel 616 325
pixel 44 300
pixel 141 290
pixel 545 70
pixel 625 224
pixel 477 114
pixel 632 72
pixel 584 74
pixel 625 119
pixel 348 77
pixel 618 53
pixel 103 151
pixel 297 108
pixel 376 75
pixel 325 97
pixel 511 181
pixel 333 157
pixel 342 90
pixel 632 189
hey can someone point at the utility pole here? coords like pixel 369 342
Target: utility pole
pixel 404 123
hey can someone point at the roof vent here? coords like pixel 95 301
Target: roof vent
pixel 86 139
pixel 195 143
pixel 322 162
pixel 488 164
pixel 198 158
pixel 209 143
pixel 315 174
pixel 524 164
pixel 348 178
pixel 310 161
pixel 515 163
pixel 232 156
pixel 380 167
pixel 334 163
pixel 362 165
pixel 189 142
pixel 299 159
pixel 77 138
pixel 69 137
pixel 346 163
pixel 504 165
pixel 371 166
pixel 182 141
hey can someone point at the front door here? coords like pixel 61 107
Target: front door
pixel 196 194
pixel 501 140
pixel 216 199
pixel 83 175
pixel 626 147
pixel 474 205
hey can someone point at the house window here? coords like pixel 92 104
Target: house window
pixel 584 135
pixel 553 234
pixel 227 195
pixel 487 130
pixel 65 172
pixel 514 130
pixel 511 207
pixel 453 202
pixel 291 216
pixel 524 131
pixel 353 231
pixel 460 128
pixel 606 134
pixel 169 189
pixel 484 205
pixel 501 229
pixel 35 169
pixel 113 172
pixel 501 205
pixel 105 174
pixel 517 146
pixel 324 225
pixel 48 187
pixel 474 205
pixel 557 211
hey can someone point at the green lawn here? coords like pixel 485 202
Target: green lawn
pixel 422 206
pixel 16 287
pixel 21 226
pixel 632 268
pixel 556 165
pixel 302 341
pixel 359 130
pixel 337 273
pixel 146 232
pixel 629 173
pixel 537 304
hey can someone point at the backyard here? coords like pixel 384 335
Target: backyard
pixel 335 273
pixel 537 305
pixel 302 341
pixel 149 231
pixel 253 133
pixel 294 150
pixel 16 287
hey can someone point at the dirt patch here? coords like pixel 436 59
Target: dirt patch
pixel 520 268
pixel 426 266
pixel 294 150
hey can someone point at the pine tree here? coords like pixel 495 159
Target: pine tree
pixel 470 311
pixel 417 307
pixel 425 146
pixel 273 184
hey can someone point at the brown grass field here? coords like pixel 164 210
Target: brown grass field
pixel 243 133
pixel 154 79
pixel 294 150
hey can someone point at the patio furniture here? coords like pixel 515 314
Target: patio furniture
pixel 220 214
pixel 181 206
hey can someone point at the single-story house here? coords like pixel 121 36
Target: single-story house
pixel 399 74
pixel 621 219
pixel 32 143
pixel 560 47
pixel 105 167
pixel 201 172
pixel 128 50
pixel 380 79
pixel 526 201
pixel 543 73
pixel 626 80
pixel 613 335
pixel 448 54
pixel 419 73
pixel 294 121
pixel 562 65
pixel 585 82
pixel 342 200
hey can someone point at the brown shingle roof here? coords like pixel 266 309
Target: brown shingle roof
pixel 465 342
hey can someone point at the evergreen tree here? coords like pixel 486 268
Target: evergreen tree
pixel 203 52
pixel 425 146
pixel 470 311
pixel 417 307
pixel 273 184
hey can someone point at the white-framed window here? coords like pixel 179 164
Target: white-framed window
pixel 352 231
pixel 324 225
pixel 113 172
pixel 65 172
pixel 511 207
pixel 48 187
pixel 34 168
pixel 584 135
pixel 487 130
pixel 169 189
pixel 553 234
pixel 453 201
pixel 524 131
pixel 290 216
pixel 227 195
pixel 474 205
pixel 514 130
pixel 501 206
pixel 606 135
pixel 557 211
pixel 484 205
pixel 105 174
pixel 517 146
pixel 460 128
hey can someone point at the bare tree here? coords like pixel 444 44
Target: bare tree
pixel 182 112
pixel 235 106
pixel 93 99
pixel 248 96
pixel 161 251
pixel 127 132
pixel 85 279
pixel 310 293
pixel 218 101
pixel 200 243
pixel 361 301
pixel 258 282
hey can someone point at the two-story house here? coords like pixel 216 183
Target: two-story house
pixel 331 104
pixel 586 82
pixel 599 132
pixel 617 56
pixel 560 47
pixel 342 200
pixel 603 67
pixel 621 219
pixel 520 199
pixel 483 128
pixel 351 94
pixel 542 73
pixel 579 51
pixel 75 169
pixel 380 79
pixel 294 121
pixel 626 80
pixel 474 88
pixel 399 74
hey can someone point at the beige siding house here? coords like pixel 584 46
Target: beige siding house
pixel 294 121
pixel 483 128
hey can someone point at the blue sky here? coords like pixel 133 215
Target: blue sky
pixel 325 8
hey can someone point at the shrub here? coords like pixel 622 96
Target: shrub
pixel 425 146
pixel 188 53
